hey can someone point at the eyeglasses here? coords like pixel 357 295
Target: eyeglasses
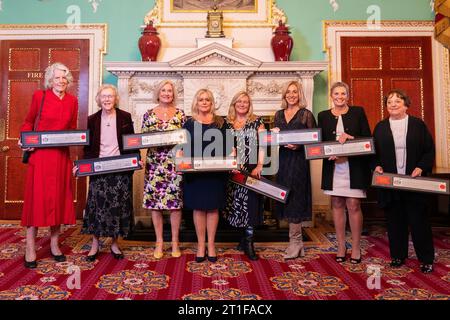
pixel 109 96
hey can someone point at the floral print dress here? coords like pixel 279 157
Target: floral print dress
pixel 162 184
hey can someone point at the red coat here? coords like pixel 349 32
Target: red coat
pixel 48 197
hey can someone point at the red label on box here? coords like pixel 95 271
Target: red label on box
pixel 32 139
pixel 83 137
pixel 383 180
pixel 314 151
pixel 134 161
pixel 442 186
pixel 132 142
pixel 85 167
pixel 185 165
pixel 238 177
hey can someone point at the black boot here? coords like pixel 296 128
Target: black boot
pixel 249 250
pixel 241 244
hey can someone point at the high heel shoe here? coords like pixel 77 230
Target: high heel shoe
pixel 200 259
pixel 58 258
pixel 176 253
pixel 212 259
pixel 117 256
pixel 355 261
pixel 92 257
pixel 157 254
pixel 341 259
pixel 30 264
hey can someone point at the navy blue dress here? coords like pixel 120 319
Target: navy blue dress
pixel 205 190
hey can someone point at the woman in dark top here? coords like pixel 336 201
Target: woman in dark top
pixel 293 169
pixel 244 208
pixel 345 179
pixel 204 192
pixel 109 204
pixel 405 146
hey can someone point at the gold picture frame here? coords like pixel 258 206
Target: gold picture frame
pixel 206 5
pixel 263 13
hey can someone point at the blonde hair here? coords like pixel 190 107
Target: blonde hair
pixel 340 84
pixel 301 95
pixel 50 74
pixel 232 110
pixel 194 110
pixel 159 88
pixel 104 87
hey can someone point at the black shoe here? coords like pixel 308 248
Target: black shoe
pixel 340 259
pixel 212 259
pixel 59 258
pixel 30 264
pixel 200 259
pixel 91 258
pixel 249 250
pixel 117 256
pixel 355 261
pixel 426 268
pixel 395 263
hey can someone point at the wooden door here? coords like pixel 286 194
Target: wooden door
pixel 22 69
pixel 372 66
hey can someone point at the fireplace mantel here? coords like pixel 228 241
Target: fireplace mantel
pixel 219 68
pixel 223 70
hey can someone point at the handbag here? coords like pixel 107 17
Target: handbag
pixel 26 154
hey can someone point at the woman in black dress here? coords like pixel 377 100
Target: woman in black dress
pixel 404 145
pixel 293 169
pixel 244 208
pixel 204 192
pixel 109 205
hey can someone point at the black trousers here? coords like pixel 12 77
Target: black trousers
pixel 409 209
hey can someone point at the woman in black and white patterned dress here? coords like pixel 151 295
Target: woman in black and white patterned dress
pixel 244 207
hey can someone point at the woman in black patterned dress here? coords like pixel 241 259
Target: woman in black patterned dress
pixel 244 207
pixel 109 205
pixel 293 169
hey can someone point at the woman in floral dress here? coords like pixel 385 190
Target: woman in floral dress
pixel 161 182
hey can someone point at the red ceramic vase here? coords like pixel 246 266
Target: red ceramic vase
pixel 282 43
pixel 149 43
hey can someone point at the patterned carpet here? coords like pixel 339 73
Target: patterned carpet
pixel 141 277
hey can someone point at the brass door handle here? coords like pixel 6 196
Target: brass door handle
pixel 5 148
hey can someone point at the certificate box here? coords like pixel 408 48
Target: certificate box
pixel 205 164
pixel 154 139
pixel 408 183
pixel 51 139
pixel 303 136
pixel 262 186
pixel 96 166
pixel 357 147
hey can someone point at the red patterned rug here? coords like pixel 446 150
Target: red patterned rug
pixel 141 277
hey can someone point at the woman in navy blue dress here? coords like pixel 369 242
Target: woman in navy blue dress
pixel 204 192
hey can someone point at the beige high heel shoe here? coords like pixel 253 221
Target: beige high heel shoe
pixel 158 253
pixel 176 253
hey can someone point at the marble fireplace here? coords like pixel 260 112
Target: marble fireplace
pixel 214 64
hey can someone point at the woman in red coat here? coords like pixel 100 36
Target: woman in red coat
pixel 48 198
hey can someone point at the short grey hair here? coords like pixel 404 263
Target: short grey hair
pixel 50 73
pixel 107 86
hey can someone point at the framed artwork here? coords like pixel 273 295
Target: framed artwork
pixel 205 5
pixel 236 13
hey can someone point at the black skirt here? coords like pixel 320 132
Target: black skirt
pixel 109 206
